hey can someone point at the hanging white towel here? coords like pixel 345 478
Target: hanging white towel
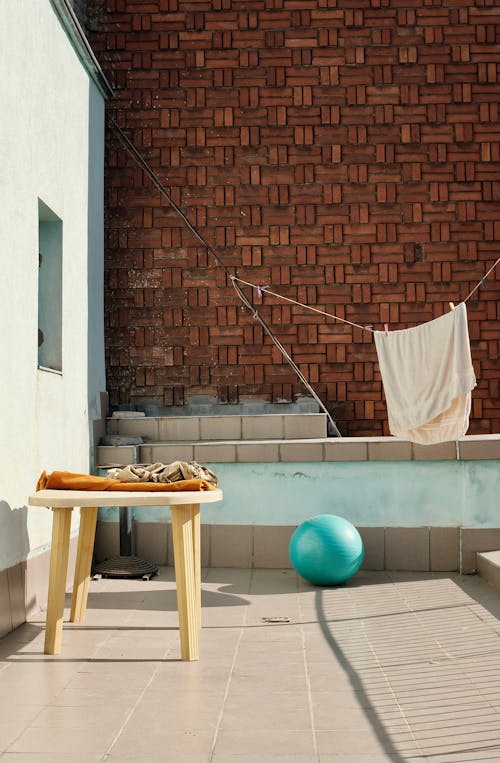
pixel 428 377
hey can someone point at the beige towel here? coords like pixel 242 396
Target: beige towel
pixel 428 376
pixel 163 473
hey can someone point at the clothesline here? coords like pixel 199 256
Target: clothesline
pixel 482 280
pixel 132 150
pixel 265 290
pixel 366 327
pixel 138 158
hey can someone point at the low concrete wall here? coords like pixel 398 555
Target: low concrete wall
pixel 416 549
pixel 24 588
pixel 413 515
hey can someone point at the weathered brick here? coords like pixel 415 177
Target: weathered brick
pixel 346 157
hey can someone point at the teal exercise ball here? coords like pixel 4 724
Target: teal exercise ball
pixel 326 550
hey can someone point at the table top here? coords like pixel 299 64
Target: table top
pixel 66 498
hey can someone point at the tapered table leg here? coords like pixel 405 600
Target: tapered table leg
pixel 182 535
pixel 195 517
pixel 61 525
pixel 86 536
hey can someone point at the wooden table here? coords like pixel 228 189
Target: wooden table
pixel 185 508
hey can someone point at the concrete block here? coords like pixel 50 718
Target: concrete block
pixel 407 548
pixel 231 546
pixel 444 549
pixel 220 428
pixel 268 427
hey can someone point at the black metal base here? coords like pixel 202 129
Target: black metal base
pixel 125 567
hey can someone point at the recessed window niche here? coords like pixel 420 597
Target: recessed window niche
pixel 49 289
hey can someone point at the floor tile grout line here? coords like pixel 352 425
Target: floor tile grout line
pixel 391 688
pixel 49 704
pixel 448 658
pixel 307 676
pixel 228 683
pixel 21 732
pixel 135 706
pixel 425 689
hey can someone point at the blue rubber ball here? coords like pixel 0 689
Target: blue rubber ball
pixel 326 550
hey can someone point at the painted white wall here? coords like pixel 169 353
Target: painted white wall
pixel 46 96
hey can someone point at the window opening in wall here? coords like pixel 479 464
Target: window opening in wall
pixel 49 289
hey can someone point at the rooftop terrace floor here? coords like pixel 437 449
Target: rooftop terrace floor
pixel 389 667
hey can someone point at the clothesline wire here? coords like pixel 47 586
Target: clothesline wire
pixel 257 316
pixel 266 290
pixel 139 159
pixel 136 155
pixel 153 177
pixel 482 280
pixel 159 185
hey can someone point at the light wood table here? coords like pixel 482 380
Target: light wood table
pixel 185 508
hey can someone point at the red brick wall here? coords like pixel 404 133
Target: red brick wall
pixel 345 153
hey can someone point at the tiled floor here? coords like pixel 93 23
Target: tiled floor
pixel 390 667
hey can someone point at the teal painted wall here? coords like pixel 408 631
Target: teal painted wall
pixel 369 494
pixel 96 376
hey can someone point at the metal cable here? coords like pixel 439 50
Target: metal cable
pixel 157 183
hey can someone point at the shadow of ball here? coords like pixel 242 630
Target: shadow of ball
pixel 326 550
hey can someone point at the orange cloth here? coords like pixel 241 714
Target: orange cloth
pixel 71 481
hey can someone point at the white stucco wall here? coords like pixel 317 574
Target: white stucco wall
pixel 46 94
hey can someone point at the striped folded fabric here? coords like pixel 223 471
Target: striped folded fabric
pixel 59 480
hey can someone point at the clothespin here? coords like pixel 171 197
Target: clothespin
pixel 386 329
pixel 452 306
pixel 482 281
pixel 260 289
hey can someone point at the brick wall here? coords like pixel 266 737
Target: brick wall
pixel 345 153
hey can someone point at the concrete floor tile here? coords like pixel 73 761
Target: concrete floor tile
pixel 329 716
pixel 274 757
pixel 92 717
pixel 9 732
pixel 357 665
pixel 180 713
pixel 231 580
pixel 265 742
pixel 265 633
pixel 156 735
pixel 62 740
pixel 366 740
pixel 490 755
pixel 40 695
pixel 267 711
pixel 331 681
pixel 95 696
pixel 372 758
pixel 21 715
pixel 159 756
pixel 276 684
pixel 52 757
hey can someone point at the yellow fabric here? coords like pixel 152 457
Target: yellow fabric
pixel 60 480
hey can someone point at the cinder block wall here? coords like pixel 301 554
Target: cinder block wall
pixel 347 156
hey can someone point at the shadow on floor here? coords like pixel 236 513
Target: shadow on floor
pixel 422 654
pixel 156 600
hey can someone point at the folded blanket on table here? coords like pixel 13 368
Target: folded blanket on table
pixel 178 470
pixel 60 480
